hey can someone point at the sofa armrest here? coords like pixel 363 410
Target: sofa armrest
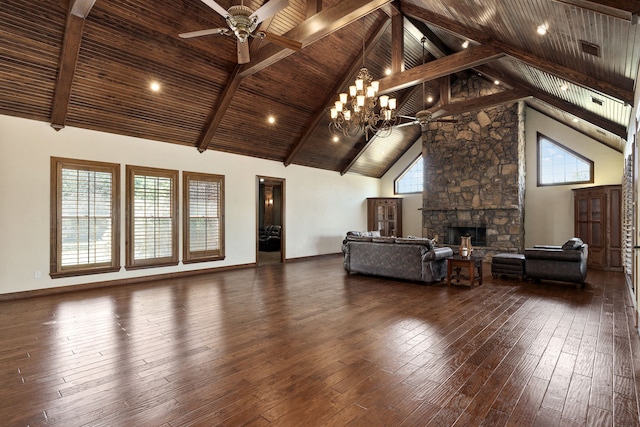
pixel 553 254
pixel 547 247
pixel 437 254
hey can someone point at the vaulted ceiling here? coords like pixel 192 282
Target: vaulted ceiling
pixel 89 64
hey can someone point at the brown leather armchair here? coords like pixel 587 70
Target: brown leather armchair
pixel 566 263
pixel 270 238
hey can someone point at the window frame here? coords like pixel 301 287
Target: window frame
pixel 56 269
pixel 189 256
pixel 131 262
pixel 404 172
pixel 539 139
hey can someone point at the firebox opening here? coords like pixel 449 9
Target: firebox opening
pixel 478 234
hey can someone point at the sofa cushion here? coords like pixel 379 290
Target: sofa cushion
pixel 572 244
pixel 383 239
pixel 354 238
pixel 416 241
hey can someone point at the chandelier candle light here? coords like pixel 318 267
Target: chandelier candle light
pixel 355 113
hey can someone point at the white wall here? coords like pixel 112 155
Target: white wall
pixel 320 205
pixel 549 210
pixel 411 216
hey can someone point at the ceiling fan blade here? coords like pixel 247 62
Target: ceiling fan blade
pixel 282 41
pixel 243 52
pixel 407 124
pixel 204 33
pixel 268 9
pixel 215 6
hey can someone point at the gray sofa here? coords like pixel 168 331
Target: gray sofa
pixel 566 263
pixel 400 258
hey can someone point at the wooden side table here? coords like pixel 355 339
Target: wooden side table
pixel 472 264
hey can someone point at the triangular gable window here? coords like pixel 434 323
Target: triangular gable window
pixel 411 179
pixel 559 165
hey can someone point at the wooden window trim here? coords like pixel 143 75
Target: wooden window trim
pixel 567 149
pixel 201 256
pixel 402 174
pixel 56 270
pixel 131 262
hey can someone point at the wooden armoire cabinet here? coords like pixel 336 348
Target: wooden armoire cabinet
pixel 385 214
pixel 599 224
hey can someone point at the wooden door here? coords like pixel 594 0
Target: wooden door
pixel 590 224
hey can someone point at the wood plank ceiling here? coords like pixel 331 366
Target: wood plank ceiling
pixel 89 64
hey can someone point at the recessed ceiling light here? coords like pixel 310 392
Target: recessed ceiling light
pixel 496 82
pixel 336 139
pixel 465 44
pixel 575 120
pixel 542 30
pixel 430 99
pixel 154 86
pixel 271 119
pixel 387 71
pixel 564 88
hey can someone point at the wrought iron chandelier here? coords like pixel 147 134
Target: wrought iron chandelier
pixel 361 110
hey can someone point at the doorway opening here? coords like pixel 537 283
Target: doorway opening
pixel 270 247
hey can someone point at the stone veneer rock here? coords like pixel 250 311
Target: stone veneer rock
pixel 474 172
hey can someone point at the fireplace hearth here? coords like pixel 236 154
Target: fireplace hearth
pixel 478 233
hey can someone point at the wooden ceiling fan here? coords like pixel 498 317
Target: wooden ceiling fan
pixel 242 23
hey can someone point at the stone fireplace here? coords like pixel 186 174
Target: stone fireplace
pixel 474 175
pixel 478 234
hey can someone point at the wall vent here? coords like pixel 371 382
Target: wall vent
pixel 597 101
pixel 590 48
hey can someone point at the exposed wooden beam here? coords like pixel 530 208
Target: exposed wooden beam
pixel 348 76
pixel 462 60
pixel 583 114
pixel 222 103
pixel 558 103
pixel 480 103
pixel 313 7
pixel 445 90
pixel 225 98
pixel 435 47
pixel 78 10
pixel 621 9
pixel 624 93
pixel 397 44
pixel 313 29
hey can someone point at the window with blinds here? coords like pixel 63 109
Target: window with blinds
pixel 627 220
pixel 85 217
pixel 203 217
pixel 152 215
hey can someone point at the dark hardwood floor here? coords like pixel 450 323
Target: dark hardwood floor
pixel 304 344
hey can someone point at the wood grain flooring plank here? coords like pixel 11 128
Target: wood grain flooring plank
pixel 304 343
pixel 525 411
pixel 577 401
